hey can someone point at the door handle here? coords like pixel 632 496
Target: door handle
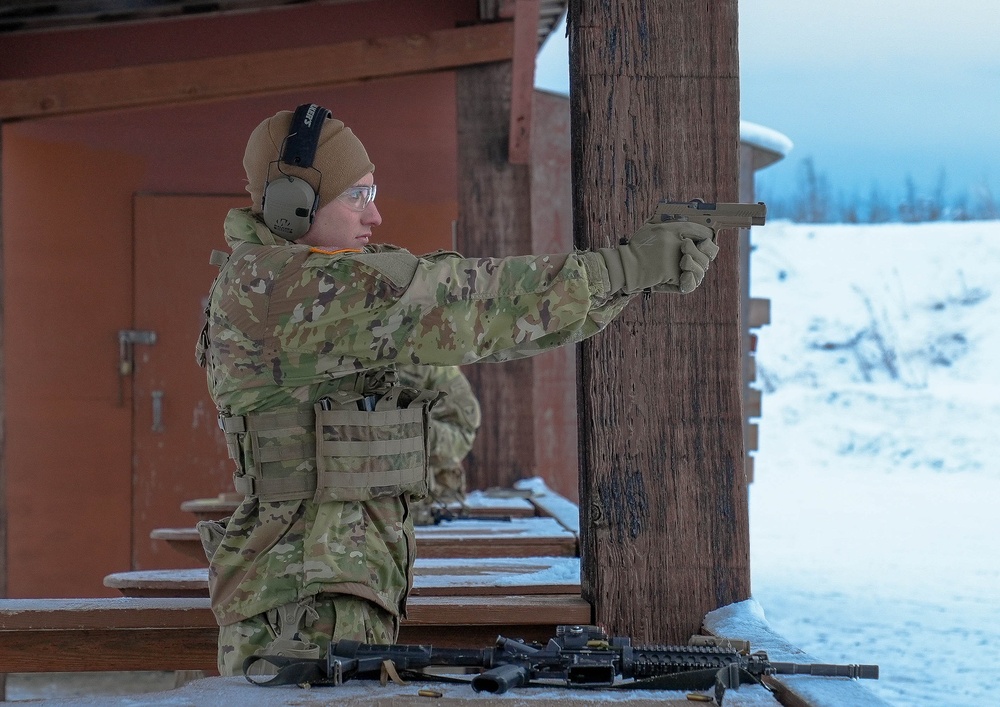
pixel 127 339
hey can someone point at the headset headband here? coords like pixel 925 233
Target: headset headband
pixel 303 137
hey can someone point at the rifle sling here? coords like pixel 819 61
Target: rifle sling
pixel 290 671
pixel 731 676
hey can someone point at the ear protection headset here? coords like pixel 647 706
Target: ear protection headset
pixel 289 203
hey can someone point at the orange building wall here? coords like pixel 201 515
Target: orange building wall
pixel 66 292
pixel 68 187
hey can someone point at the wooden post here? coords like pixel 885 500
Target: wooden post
pixel 494 219
pixel 654 91
pixel 522 80
pixel 3 422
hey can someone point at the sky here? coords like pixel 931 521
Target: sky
pixel 873 93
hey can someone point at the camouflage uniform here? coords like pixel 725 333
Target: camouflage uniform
pixel 454 421
pixel 290 326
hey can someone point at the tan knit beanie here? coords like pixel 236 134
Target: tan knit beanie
pixel 340 157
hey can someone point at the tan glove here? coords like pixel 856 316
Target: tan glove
pixel 667 257
pixel 695 258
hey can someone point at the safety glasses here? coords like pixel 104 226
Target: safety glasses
pixel 358 197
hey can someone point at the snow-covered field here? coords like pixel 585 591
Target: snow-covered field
pixel 873 512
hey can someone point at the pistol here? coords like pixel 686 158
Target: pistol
pixel 715 216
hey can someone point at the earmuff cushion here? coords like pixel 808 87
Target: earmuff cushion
pixel 289 206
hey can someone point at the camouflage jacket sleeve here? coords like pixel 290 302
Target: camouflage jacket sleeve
pixel 383 307
pixel 454 420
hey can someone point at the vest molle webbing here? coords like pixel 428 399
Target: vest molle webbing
pixel 335 451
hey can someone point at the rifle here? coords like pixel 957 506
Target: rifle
pixel 579 656
pixel 441 514
pixel 715 216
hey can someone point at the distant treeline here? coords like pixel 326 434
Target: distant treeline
pixel 813 201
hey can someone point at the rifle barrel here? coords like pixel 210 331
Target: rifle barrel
pixel 827 670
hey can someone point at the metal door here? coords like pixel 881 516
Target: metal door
pixel 179 452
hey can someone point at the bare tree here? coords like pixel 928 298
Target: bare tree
pixel 878 208
pixel 812 204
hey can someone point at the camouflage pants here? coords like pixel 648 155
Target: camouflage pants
pixel 336 617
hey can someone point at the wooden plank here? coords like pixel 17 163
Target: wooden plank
pixel 135 613
pixel 493 502
pixel 191 583
pixel 478 504
pixel 496 576
pixel 67 635
pixel 276 71
pixel 750 369
pixel 71 635
pixel 184 540
pixel 497 611
pixel 520 537
pixel 98 649
pixel 211 508
pixel 752 401
pixel 662 459
pixel 760 312
pixel 554 505
pixel 522 80
pixel 432 577
pixel 76 14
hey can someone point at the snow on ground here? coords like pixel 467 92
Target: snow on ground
pixel 878 474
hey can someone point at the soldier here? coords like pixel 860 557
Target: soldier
pixel 454 421
pixel 305 323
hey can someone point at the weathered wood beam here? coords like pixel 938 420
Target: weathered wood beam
pixel 255 74
pixel 3 408
pixel 522 88
pixel 3 426
pixel 494 219
pixel 663 500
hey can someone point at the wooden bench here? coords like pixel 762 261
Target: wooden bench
pixel 477 504
pixel 432 577
pixel 519 537
pixel 129 633
pixel 551 505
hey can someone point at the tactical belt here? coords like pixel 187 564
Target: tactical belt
pixel 335 451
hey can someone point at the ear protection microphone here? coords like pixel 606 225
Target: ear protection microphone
pixel 289 203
